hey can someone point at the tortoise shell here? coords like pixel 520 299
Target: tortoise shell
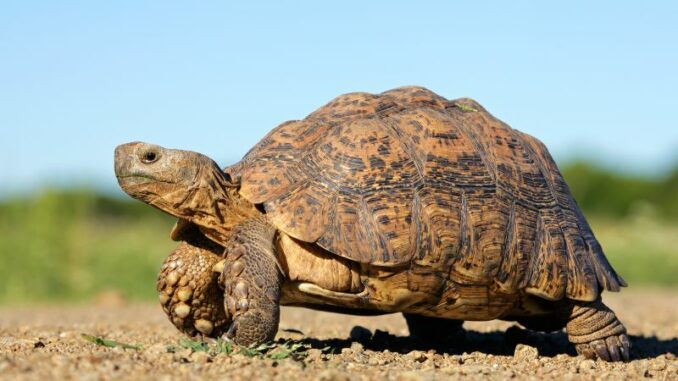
pixel 408 178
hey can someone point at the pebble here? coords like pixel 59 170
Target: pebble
pixel 525 352
pixel 587 366
pixel 200 357
pixel 357 347
pixel 658 364
pixel 417 356
pixel 314 355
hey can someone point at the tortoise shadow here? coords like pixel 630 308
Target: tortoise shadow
pixel 502 343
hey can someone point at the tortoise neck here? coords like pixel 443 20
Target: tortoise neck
pixel 225 214
pixel 216 207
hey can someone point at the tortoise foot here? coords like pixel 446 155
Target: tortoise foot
pixel 189 292
pixel 596 332
pixel 251 280
pixel 611 348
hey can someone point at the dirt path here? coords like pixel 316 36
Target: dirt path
pixel 46 343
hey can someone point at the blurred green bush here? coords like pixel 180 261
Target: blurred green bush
pixel 76 244
pixel 602 192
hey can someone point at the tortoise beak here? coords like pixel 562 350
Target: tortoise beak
pixel 124 159
pixel 128 168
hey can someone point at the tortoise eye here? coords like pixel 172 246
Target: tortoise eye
pixel 149 157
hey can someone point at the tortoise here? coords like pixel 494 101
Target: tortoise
pixel 402 201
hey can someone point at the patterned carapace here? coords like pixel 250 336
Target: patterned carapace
pixel 408 178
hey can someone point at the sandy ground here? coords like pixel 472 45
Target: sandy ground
pixel 46 343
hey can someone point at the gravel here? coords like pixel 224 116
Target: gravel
pixel 45 342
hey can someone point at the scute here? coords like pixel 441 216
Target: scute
pixel 408 177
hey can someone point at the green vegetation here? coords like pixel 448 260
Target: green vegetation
pixel 602 192
pixel 73 245
pixel 291 349
pixel 634 218
pixel 465 108
pixel 110 343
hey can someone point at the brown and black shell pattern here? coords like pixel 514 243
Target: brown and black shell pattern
pixel 408 178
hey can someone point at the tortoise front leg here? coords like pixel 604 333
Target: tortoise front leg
pixel 189 291
pixel 596 332
pixel 252 280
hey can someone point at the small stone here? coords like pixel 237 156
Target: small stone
pixel 587 366
pixel 417 356
pixel 525 353
pixel 67 334
pixel 356 347
pixel 658 364
pixel 182 355
pixel 359 333
pixel 200 357
pixel 456 359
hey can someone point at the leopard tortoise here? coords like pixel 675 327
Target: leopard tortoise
pixel 398 202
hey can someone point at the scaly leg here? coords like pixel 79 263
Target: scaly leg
pixel 596 332
pixel 189 291
pixel 252 281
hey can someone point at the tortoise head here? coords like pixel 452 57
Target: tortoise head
pixel 181 183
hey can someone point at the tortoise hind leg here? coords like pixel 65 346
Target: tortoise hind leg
pixel 435 330
pixel 595 331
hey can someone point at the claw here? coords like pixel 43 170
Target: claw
pixel 600 349
pixel 219 266
pixel 230 334
pixel 613 346
pixel 625 347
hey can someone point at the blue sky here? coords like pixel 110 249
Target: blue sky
pixel 591 79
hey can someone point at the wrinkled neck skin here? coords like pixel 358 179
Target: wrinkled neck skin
pixel 212 203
